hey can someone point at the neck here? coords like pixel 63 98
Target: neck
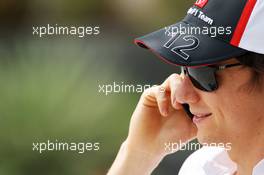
pixel 248 153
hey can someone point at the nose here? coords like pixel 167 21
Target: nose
pixel 186 92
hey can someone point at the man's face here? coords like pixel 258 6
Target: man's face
pixel 236 108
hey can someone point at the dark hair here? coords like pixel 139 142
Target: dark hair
pixel 256 62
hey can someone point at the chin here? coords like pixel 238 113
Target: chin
pixel 206 138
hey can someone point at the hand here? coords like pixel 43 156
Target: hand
pixel 159 119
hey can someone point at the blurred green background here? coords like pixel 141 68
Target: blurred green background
pixel 49 86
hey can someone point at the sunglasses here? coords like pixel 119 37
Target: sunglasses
pixel 204 77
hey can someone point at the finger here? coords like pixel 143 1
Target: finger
pixel 174 81
pixel 148 98
pixel 163 100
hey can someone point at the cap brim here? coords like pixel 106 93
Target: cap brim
pixel 186 49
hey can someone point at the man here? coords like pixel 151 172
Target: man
pixel 218 97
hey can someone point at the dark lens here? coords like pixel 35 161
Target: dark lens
pixel 203 78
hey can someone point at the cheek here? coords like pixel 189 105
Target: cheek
pixel 232 111
pixel 232 98
pixel 232 107
pixel 227 107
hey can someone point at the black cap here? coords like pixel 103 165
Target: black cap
pixel 212 31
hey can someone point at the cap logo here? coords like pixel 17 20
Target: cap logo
pixel 188 43
pixel 201 3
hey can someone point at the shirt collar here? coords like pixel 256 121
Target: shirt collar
pixel 259 168
pixel 221 164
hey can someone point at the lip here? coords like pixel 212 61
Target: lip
pixel 198 118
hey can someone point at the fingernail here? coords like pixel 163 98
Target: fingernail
pixel 174 103
pixel 165 112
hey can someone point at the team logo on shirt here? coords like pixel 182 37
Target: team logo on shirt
pixel 201 3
